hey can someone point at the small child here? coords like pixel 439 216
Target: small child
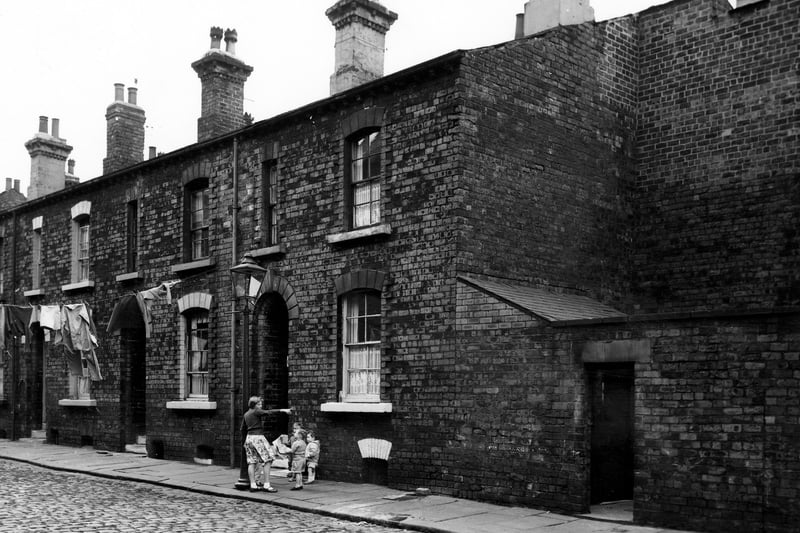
pixel 295 427
pixel 298 458
pixel 312 456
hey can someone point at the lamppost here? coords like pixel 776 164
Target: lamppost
pixel 244 275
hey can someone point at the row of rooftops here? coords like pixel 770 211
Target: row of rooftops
pixel 361 26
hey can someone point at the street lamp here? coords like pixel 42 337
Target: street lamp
pixel 246 278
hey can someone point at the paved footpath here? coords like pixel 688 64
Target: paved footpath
pixel 350 501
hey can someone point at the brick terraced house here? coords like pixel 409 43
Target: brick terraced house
pixel 553 272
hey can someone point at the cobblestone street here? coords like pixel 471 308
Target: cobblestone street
pixel 34 499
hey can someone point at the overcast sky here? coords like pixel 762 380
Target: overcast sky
pixel 63 58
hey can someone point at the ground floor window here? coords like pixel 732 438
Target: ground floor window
pixel 361 355
pixel 197 354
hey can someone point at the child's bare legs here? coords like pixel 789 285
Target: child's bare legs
pixel 312 473
pixel 298 481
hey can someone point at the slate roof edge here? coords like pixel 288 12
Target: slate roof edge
pixel 680 315
pixel 484 290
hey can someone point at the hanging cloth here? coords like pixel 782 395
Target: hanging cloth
pixel 14 321
pixel 80 330
pixel 50 317
pixel 147 298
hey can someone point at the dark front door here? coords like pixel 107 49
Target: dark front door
pixel 270 373
pixel 133 345
pixel 611 388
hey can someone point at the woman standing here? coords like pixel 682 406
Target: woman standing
pixel 256 447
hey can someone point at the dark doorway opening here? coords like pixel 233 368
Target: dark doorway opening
pixel 37 400
pixel 133 348
pixel 269 372
pixel 612 407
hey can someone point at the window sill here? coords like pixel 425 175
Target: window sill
pixel 196 405
pixel 129 276
pixel 361 233
pixel 79 286
pixel 77 403
pixel 33 293
pixel 182 268
pixel 352 407
pixel 278 249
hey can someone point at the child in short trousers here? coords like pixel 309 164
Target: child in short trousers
pixel 312 456
pixel 298 458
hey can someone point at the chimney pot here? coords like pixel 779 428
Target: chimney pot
pixel 16 185
pixel 230 41
pixel 519 31
pixel 71 166
pixel 216 36
pixel 132 95
pixel 8 184
pixel 119 92
pixel 55 124
pixel 42 124
pixel 152 152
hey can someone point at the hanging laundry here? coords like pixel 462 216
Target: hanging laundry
pixel 50 317
pixel 14 321
pixel 79 335
pixel 147 298
pixel 80 326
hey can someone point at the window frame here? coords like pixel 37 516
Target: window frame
pixel 351 314
pixel 193 318
pixel 132 236
pixel 270 179
pixel 36 259
pixel 203 228
pixel 364 171
pixel 83 249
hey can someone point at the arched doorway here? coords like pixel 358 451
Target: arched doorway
pixel 269 372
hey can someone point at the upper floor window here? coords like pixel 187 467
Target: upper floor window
pixel 363 167
pixel 83 249
pixel 364 178
pixel 36 258
pixel 132 240
pixel 270 221
pixel 361 346
pixel 199 220
pixel 81 241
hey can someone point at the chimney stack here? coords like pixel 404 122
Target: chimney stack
pixel 361 27
pixel 543 15
pixel 124 131
pixel 222 76
pixel 48 153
